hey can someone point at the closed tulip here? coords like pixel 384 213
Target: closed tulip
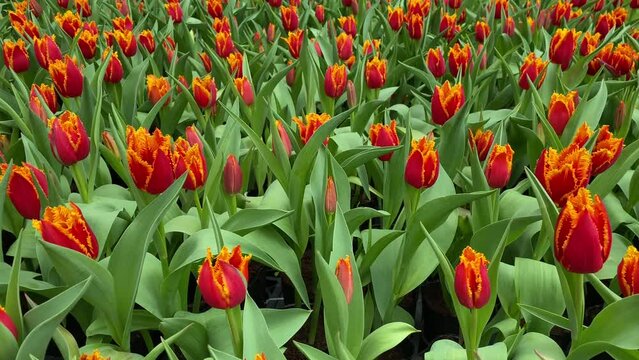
pixel 232 176
pixel 224 45
pixel 88 44
pixel 245 89
pixel 482 30
pixel 5 320
pixel 375 73
pixel 421 7
pixel 472 285
pixel 459 59
pixel 448 26
pixel 70 22
pixel 483 141
pixel 561 109
pixel 68 138
pixel 156 88
pixel 126 40
pixel 236 64
pixel 344 46
pixel 395 17
pixel 499 166
pixel 384 136
pixel 319 13
pixel 215 8
pixel 583 236
pixel 563 173
pixel 330 197
pixel 150 159
pixel 147 41
pixel 563 46
pixel 422 167
pixel 533 69
pixel 509 26
pixel 221 284
pixel 286 140
pixel 46 51
pixel 23 192
pixel 415 26
pixel 67 77
pixel 607 150
pixel 294 42
pixel 560 12
pixel 435 62
pixel 344 273
pixel 205 91
pixel 15 55
pixel 446 102
pixel 501 8
pixel 335 80
pixel 174 10
pixel 66 226
pixel 189 158
pixel 348 24
pixel 289 17
pixel 627 272
pixel 221 25
pixel 114 71
pixel 313 122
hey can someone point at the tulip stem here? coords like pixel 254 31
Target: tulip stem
pixel 80 181
pixel 204 222
pixel 160 244
pixel 577 282
pixel 234 316
pixel 317 306
pixel 471 346
pixel 233 205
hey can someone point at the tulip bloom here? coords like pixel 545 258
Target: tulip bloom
pixel 459 59
pixel 422 167
pixel 232 176
pixel 472 285
pixel 68 138
pixel 313 122
pixel 589 43
pixel 245 89
pixel 396 17
pixel 499 166
pixel 222 285
pixel 15 55
pixel 156 88
pixel 448 26
pixel 221 25
pixel 215 8
pixel 69 22
pixel 96 354
pixel 286 141
pixel 224 45
pixel 627 272
pixel 126 40
pixel 294 42
pixel 146 39
pixel 344 46
pixel 482 30
pixel 319 13
pixel 5 320
pixel 330 198
pixel 561 109
pixel 205 92
pixel 83 7
pixel 236 62
pixel 48 95
pixel 190 158
pixel 206 61
pixel 348 24
pixel 114 71
pixel 482 140
pixel 435 62
pixel 375 73
pixel 415 26
pixel 622 60
pixel 501 6
pixel 369 45
pixel 605 23
pixel 421 7
pixel 122 23
pixel 344 273
pixel 563 174
pixel 67 227
pixel 606 152
pixel 533 69
pixel 583 236
pixel 174 10
pixel 384 136
pixel 446 102
pixel 562 46
pixel 560 12
pixel 509 26
pixel 335 80
pixel 88 44
pixel 46 50
pixel 67 77
pixel 290 20
pixel 150 159
pixel 22 190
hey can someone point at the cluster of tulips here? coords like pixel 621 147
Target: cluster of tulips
pixel 432 111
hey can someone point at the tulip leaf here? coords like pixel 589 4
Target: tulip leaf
pixel 257 338
pixel 450 350
pixel 351 159
pixel 246 220
pixel 43 320
pixel 8 344
pixel 66 343
pixel 484 239
pixel 365 110
pixel 606 181
pixel 335 306
pixel 536 346
pixel 127 258
pixel 453 141
pixel 165 345
pixel 283 324
pixel 130 89
pixel 312 353
pixel 383 339
pixel 12 300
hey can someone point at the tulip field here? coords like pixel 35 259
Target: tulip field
pixel 319 179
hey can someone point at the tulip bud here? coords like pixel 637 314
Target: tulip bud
pixel 205 92
pixel 583 236
pixel 182 81
pixel 446 102
pixel 290 20
pixel 67 227
pixel 483 140
pixel 15 55
pixel 206 61
pixel 533 69
pixel 156 88
pixel 422 167
pixel 174 10
pixel 375 73
pixel 221 285
pixel 459 59
pixel 69 22
pixel 193 137
pixel 232 176
pixel 561 109
pixel 344 46
pixel 396 17
pixel 67 77
pixel 5 320
pixel 348 24
pixel 149 157
pixel 509 26
pixel 290 76
pixel 384 135
pixel 606 152
pixel 562 46
pixel 114 71
pixel 123 7
pixel 46 51
pixel 286 141
pixel 627 273
pixel 88 44
pixel 501 6
pixel 620 114
pixel 313 122
pixel 109 142
pixel 260 356
pixel 499 166
pixel 63 3
pixel 344 274
pixel 270 32
pixel 244 87
pixel 68 138
pixel 472 284
pixel 146 39
pixel 563 174
pixel 482 30
pixel 330 198
pixel 602 57
pixel 435 62
pixel 236 63
pixel 335 80
pixel 415 26
pixel 319 13
pixel 22 190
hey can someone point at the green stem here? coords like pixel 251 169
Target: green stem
pixel 233 205
pixel 234 317
pixel 317 307
pixel 577 284
pixel 197 299
pixel 204 221
pixel 160 245
pixel 471 346
pixel 80 181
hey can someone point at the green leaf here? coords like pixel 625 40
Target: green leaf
pixel 536 346
pixel 367 109
pixel 283 324
pixel 546 315
pixel 450 350
pixel 312 353
pixel 257 338
pixel 246 220
pixel 130 88
pixel 165 345
pixel 8 344
pixel 384 339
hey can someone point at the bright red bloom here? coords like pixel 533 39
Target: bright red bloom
pixel 396 17
pixel 375 73
pixel 448 26
pixel 224 44
pixel 174 10
pixel 435 62
pixel 47 93
pixel 482 30
pixel 83 7
pixel 589 43
pixel 344 46
pixel 146 39
pixel 421 7
pixel 605 23
pixel 232 176
pixel 384 136
pixel 215 8
pixel 622 60
pixel 5 320
pixel 563 173
pixel 222 285
pixel 206 61
pixel 190 158
pixel 606 152
pixel 69 22
pixel 459 59
pixel 369 45
pixel 294 41
pixel 499 166
pixel 422 167
pixel 126 40
pixel 560 12
pixel 501 6
pixel 290 20
pixel 627 273
pixel 344 273
pixel 561 109
pixel 584 133
pixel 483 140
pixel 150 159
pixel 313 122
pixel 235 258
pixel 67 227
pixel 620 14
pixel 562 46
pixel 22 190
pixel 88 44
pixel 583 236
pixel 415 26
pixel 15 55
pixel 472 285
pixel 67 77
pixel 236 63
pixel 68 138
pixel 533 69
pixel 221 25
pixel 348 24
pixel 205 92
pixel 446 102
pixel 335 80
pixel 509 26
pixel 286 141
pixel 319 13
pixel 604 56
pixel 244 87
pixel 46 50
pixel 156 87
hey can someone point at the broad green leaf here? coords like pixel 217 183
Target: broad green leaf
pixel 246 220
pixel 312 353
pixel 536 346
pixel 384 339
pixel 450 350
pixel 257 338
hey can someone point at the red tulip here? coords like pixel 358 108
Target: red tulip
pixel 483 140
pixel 499 166
pixel 15 55
pixel 459 59
pixel 46 50
pixel 47 93
pixel 146 39
pixel 627 273
pixel 319 13
pixel 348 24
pixel 114 71
pixel 174 10
pixel 330 198
pixel 67 77
pixel 563 174
pixel 156 87
pixel 67 227
pixel 415 26
pixel 22 190
pixel 446 102
pixel 396 17
pixel 344 46
pixel 68 138
pixel 562 46
pixel 435 62
pixel 244 87
pixel 286 141
pixel 189 157
pixel 69 22
pixel 150 159
pixel 606 152
pixel 335 80
pixel 422 167
pixel 375 73
pixel 294 42
pixel 205 92
pixel 472 285
pixel 313 122
pixel 224 44
pixel 6 321
pixel 561 109
pixel 83 7
pixel 344 274
pixel 222 285
pixel 88 44
pixel 290 20
pixel 533 69
pixel 232 176
pixel 482 30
